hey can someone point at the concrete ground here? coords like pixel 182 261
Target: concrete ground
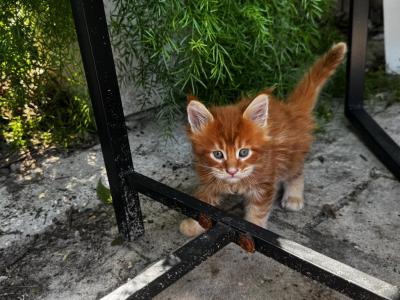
pixel 58 241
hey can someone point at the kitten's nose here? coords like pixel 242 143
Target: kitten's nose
pixel 232 171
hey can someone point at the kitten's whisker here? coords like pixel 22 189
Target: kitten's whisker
pixel 204 166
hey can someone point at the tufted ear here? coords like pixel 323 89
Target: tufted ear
pixel 190 97
pixel 198 116
pixel 257 111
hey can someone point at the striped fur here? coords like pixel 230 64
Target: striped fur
pixel 278 134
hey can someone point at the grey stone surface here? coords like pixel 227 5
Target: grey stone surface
pixel 58 241
pixel 371 221
pixel 131 96
pixel 234 274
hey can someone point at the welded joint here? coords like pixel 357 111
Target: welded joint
pixel 246 242
pixel 205 221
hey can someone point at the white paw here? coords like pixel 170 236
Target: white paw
pixel 190 228
pixel 293 203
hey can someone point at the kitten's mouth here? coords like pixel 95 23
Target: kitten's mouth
pixel 232 179
pixel 235 178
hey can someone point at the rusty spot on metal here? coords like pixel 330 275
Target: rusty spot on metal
pixel 205 221
pixel 247 243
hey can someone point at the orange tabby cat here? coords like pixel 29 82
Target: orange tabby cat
pixel 251 147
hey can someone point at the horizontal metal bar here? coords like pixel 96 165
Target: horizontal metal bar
pixel 166 271
pixel 377 140
pixel 330 272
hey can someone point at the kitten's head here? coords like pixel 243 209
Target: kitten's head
pixel 228 140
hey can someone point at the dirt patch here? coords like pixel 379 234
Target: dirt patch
pixel 71 249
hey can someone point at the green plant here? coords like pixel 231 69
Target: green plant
pixel 217 50
pixel 103 193
pixel 378 81
pixel 43 98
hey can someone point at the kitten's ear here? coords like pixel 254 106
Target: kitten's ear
pixel 190 97
pixel 257 111
pixel 198 116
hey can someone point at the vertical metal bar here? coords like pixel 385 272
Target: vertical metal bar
pixel 94 42
pixel 358 29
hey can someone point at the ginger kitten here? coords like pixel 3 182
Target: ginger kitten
pixel 252 146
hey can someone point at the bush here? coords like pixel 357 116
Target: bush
pixel 218 50
pixel 43 98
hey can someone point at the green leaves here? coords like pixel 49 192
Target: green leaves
pixel 43 96
pixel 217 50
pixel 103 193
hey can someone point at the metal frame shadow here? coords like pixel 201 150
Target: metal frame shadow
pixel 125 183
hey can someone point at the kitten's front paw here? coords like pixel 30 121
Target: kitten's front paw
pixel 293 203
pixel 190 228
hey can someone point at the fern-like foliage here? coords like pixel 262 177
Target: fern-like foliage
pixel 43 96
pixel 215 49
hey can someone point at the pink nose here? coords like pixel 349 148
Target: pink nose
pixel 232 171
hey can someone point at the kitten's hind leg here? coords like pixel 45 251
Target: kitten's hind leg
pixel 293 193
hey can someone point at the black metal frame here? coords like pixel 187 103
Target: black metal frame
pixel 98 62
pixel 379 142
pixel 125 183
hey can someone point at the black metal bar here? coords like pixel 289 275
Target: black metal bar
pixel 328 271
pixel 377 140
pixel 358 33
pixel 165 272
pixel 94 42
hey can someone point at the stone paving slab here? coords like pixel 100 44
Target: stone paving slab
pixel 372 222
pixel 58 241
pixel 234 274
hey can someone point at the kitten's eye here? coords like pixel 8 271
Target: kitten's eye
pixel 244 152
pixel 218 154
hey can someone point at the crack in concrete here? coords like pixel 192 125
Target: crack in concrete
pixel 342 202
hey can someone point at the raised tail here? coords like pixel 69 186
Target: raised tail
pixel 305 94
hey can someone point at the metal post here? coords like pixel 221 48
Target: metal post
pixel 358 32
pixel 94 42
pixel 377 140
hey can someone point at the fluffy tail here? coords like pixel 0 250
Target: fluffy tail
pixel 305 94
